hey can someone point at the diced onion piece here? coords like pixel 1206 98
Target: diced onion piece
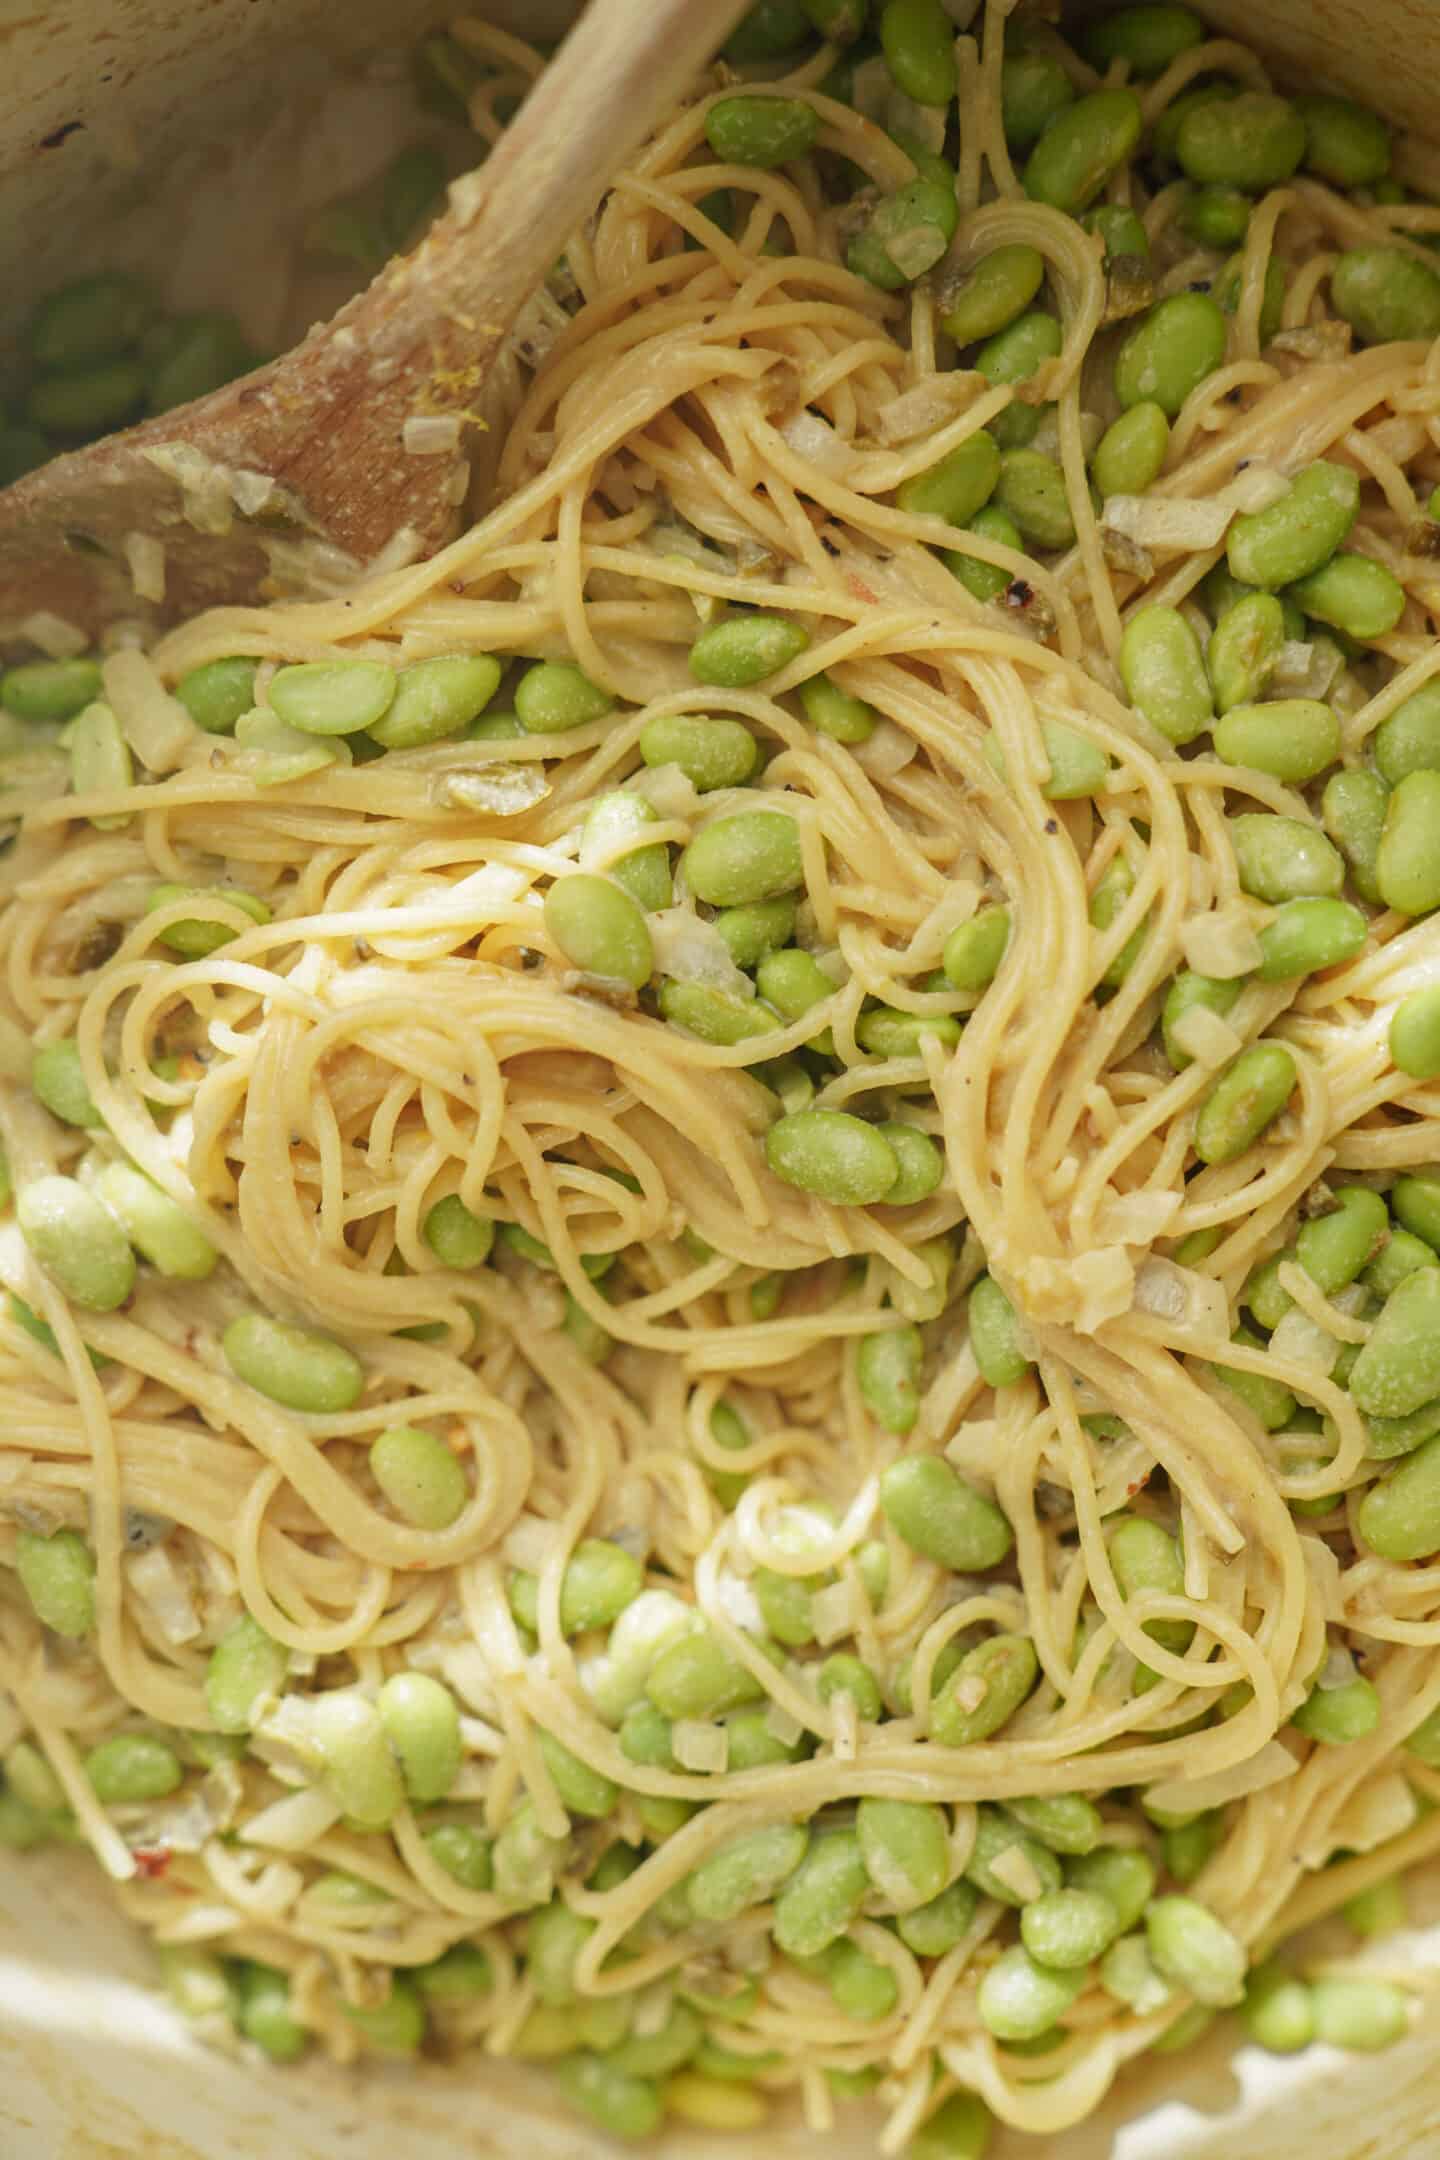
pixel 17 1052
pixel 1137 1218
pixel 1168 521
pixel 156 725
pixel 501 791
pixel 961 12
pixel 1193 1796
pixel 1018 1872
pixel 1256 487
pixel 1299 1340
pixel 162 1589
pixel 430 434
pixel 671 793
pixel 1207 1036
pixel 1339 1668
pixel 529 1542
pixel 694 951
pixel 145 560
pixel 916 248
pixel 738 1602
pixel 782 1726
pixel 700 1744
pixel 832 1613
pixel 1321 342
pixel 847 1726
pixel 1379 1811
pixel 289 1825
pixel 815 440
pixel 53 635
pixel 887 751
pixel 928 404
pixel 1192 1304
pixel 1222 943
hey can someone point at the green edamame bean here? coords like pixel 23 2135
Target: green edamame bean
pixel 600 928
pixel 959 486
pixel 130 1767
pixel 87 401
pixel 1333 1248
pixel 582 1790
pixel 1082 146
pixel 905 1845
pixel 1399 1518
pixel 710 753
pixel 1253 141
pixel 659 2053
pixel 760 130
pixel 247 1667
pixel 422 1724
pixel 1345 143
pixel 768 30
pixel 1064 1822
pixel 985 1690
pixel 100 761
pixel 994 1335
pixel 1415 1202
pixel 555 696
pixel 458 1975
pixel 1407 866
pixel 57 1079
pixel 437 698
pixel 216 694
pixel 1280 858
pixel 1195 1950
pixel 959 2129
pixel 939 1514
pixel 458 1238
pixel 1424 1741
pixel 1147 1559
pixel 623 2106
pixel 1034 87
pixel 750 1743
pixel 745 649
pixel 1386 1437
pixel 395 2026
pixel 332 697
pixel 196 935
pixel 1296 534
pixel 358 1764
pixel 155 1224
pixel 974 950
pixel 1013 355
pixel 988 298
pixel 840 21
pixel 1401 1254
pixel 785 1606
pixel 833 1155
pixel 1267 1399
pixel 751 855
pixel 1353 808
pixel 1398 1368
pixel 696 1677
pixel 1247 1098
pixel 834 712
pixel 922 1162
pixel 985 580
pixel 746 1871
pixel 29 1777
pixel 600 1580
pixel 462 1853
pixel 1352 594
pixel 930 1930
pixel 861 1985
pixel 77 1242
pixel 1032 490
pixel 1163 671
pixel 1170 352
pixel 714 1015
pixel 643 871
pixel 1019 1999
pixel 887 1032
pixel 1244 650
pixel 843 1674
pixel 1307 935
pixel 1409 740
pixel 1362 2015
pixel 1215 217
pixel 1415 1034
pixel 1278 2010
pixel 1122 231
pixel 1292 739
pixel 1336 1716
pixel 50 690
pixel 1131 454
pixel 917 38
pixel 1067 1927
pixel 752 933
pixel 266 2015
pixel 995 1835
pixel 907 234
pixel 1116 885
pixel 295 1366
pixel 647 1737
pixel 419 1476
pixel 887 1372
pixel 554 1938
pixel 57 1574
pixel 93 318
pixel 1383 294
pixel 1148 38
pixel 823 1896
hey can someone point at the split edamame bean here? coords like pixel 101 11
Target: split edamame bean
pixel 57 1574
pixel 1000 286
pixel 1130 455
pixel 600 928
pixel 756 129
pixel 437 698
pixel 77 1241
pixel 332 697
pixel 1163 671
pixel 1081 147
pixel 1170 352
pixel 942 1516
pixel 743 649
pixel 984 1691
pixel 1407 863
pixel 419 1476
pixel 295 1366
pixel 194 936
pixel 555 696
pixel 1295 535
pixel 710 753
pixel 833 1155
pixel 1385 293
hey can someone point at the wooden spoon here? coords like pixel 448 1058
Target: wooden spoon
pixel 314 444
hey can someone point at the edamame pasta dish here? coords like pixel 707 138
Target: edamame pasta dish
pixel 721 1356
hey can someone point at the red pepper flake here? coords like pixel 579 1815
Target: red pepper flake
pixel 859 590
pixel 151 1861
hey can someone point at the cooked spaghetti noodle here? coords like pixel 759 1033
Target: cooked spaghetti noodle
pixel 664 1350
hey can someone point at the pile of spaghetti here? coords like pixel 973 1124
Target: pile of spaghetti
pixel 720 1354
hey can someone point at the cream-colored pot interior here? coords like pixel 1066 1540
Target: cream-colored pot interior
pixel 201 132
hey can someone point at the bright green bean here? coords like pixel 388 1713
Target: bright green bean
pixel 462 1853
pixel 1362 2015
pixel 905 1846
pixel 1002 1672
pixel 133 1766
pixel 1398 1368
pixel 422 1724
pixel 1000 286
pixel 1163 671
pixel 155 1224
pixel 193 936
pixel 1078 767
pixel 907 234
pixel 1336 1716
pixel 1386 293
pixel 710 753
pixel 1407 865
pixel 600 928
pixel 1253 141
pixel 247 1667
pixel 1195 1950
pixel 823 1895
pixel 751 855
pixel 958 486
pixel 995 1335
pixel 50 690
pixel 419 1476
pixel 1186 992
pixel 332 697
pixel 917 38
pixel 1244 649
pixel 887 1372
pixel 1014 355
pixel 267 2016
pixel 1296 534
pixel 1278 2010
pixel 1019 1999
pixel 940 1515
pixel 555 696
pixel 295 1366
pixel 1147 37
pixel 745 649
pixel 1032 490
pixel 974 949
pixel 746 1871
pixel 1353 594
pixel 437 698
pixel 697 1677
pixel 77 1242
pixel 643 871
pixel 1170 352
pixel 57 1574
pixel 1353 809
pixel 1307 935
pixel 1130 455
pixel 1034 87
pixel 1409 739
pixel 835 712
pixel 1344 142
pixel 1281 858
pixel 1083 145
pixel 1415 1034
pixel 760 129
pixel 837 1157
